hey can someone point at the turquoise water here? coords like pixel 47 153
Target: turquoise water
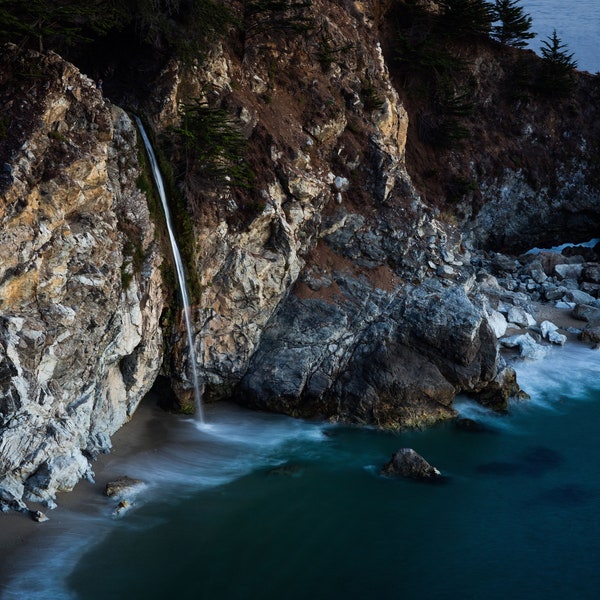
pixel 260 506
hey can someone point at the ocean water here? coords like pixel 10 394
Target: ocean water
pixel 577 24
pixel 265 507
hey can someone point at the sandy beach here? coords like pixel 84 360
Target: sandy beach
pixel 18 532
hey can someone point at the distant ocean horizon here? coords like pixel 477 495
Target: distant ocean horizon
pixel 577 25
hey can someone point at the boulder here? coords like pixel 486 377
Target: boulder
pixel 584 312
pixel 568 271
pixel 408 463
pixel 38 516
pixel 123 487
pixel 520 317
pixel 504 264
pixel 591 273
pixel 497 322
pixel 591 335
pixel 528 347
pixel 580 297
pixel 550 332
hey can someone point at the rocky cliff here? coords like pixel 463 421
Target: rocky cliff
pixel 332 287
pixel 80 284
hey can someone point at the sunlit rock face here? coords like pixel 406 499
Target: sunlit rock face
pixel 80 341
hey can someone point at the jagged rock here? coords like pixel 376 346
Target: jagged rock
pixel 123 487
pixel 407 463
pixel 520 317
pixel 497 322
pixel 528 347
pixel 80 339
pixel 569 271
pixel 38 516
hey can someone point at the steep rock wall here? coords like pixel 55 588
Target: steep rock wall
pixel 304 304
pixel 80 285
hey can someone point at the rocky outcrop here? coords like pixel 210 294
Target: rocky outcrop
pixel 331 289
pixel 80 284
pixel 408 463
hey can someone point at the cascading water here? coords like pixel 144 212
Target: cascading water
pixel 178 266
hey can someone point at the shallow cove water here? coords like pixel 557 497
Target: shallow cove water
pixel 262 506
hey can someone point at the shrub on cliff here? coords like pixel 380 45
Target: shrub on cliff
pixel 213 149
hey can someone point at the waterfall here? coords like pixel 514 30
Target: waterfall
pixel 179 268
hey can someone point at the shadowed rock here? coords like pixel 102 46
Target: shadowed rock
pixel 408 463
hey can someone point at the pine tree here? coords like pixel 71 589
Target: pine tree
pixel 514 27
pixel 554 51
pixel 557 72
pixel 466 18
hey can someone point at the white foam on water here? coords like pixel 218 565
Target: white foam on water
pixel 567 372
pixel 194 457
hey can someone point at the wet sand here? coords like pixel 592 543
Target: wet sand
pixel 18 532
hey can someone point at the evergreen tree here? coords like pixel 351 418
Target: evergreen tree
pixel 557 71
pixel 466 18
pixel 554 52
pixel 514 26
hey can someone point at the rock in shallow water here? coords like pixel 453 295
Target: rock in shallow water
pixel 123 487
pixel 408 463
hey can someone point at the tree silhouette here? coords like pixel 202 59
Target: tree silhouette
pixel 466 18
pixel 514 26
pixel 557 70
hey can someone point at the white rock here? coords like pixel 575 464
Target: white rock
pixel 341 184
pixel 520 317
pixel 557 338
pixel 528 347
pixel 565 305
pixel 497 322
pixel 547 327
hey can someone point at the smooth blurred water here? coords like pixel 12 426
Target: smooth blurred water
pixel 265 507
pixel 577 24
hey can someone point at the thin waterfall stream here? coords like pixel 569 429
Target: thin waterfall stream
pixel 179 268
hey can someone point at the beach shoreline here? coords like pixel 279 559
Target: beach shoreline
pixel 20 534
pixel 144 433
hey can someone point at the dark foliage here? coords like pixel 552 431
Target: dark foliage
pixel 513 26
pixel 213 149
pixel 556 77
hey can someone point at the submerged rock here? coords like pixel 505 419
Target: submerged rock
pixel 408 463
pixel 471 425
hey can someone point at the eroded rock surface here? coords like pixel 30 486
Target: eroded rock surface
pixel 80 286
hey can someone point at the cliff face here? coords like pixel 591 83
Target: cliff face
pixel 335 287
pixel 313 305
pixel 80 342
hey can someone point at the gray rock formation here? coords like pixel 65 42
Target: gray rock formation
pixel 80 285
